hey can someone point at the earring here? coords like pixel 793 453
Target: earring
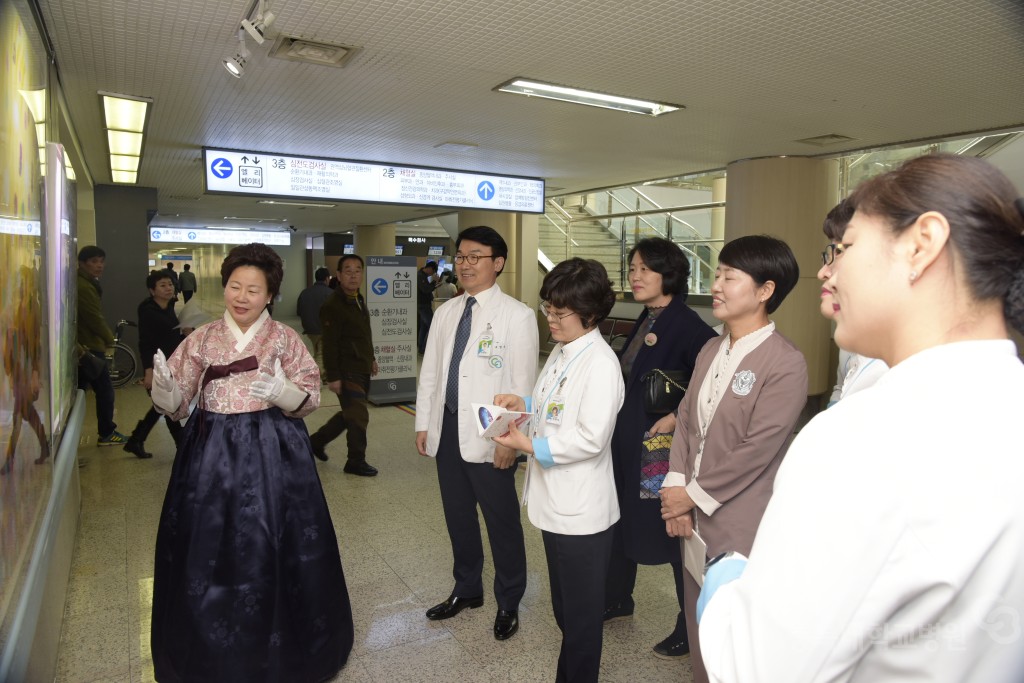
pixel 913 275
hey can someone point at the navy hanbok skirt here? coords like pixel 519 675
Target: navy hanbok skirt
pixel 248 584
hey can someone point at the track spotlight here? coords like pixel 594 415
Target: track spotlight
pixel 236 64
pixel 256 28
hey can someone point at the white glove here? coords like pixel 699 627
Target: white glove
pixel 277 389
pixel 165 392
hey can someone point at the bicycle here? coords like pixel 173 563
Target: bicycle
pixel 123 362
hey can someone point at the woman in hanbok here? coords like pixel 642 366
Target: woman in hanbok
pixel 891 549
pixel 248 583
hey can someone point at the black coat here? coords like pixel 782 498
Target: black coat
pixel 681 334
pixel 158 329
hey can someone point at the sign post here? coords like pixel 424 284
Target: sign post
pixel 391 303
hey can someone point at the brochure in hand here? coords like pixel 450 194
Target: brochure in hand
pixel 494 421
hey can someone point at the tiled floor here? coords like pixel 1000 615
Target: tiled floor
pixel 397 561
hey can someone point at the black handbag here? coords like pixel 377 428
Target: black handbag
pixel 90 367
pixel 663 390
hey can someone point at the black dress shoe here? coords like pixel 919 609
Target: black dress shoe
pixel 622 610
pixel 360 468
pixel 506 624
pixel 452 606
pixel 319 453
pixel 136 448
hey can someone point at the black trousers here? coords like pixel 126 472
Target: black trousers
pixel 622 579
pixel 464 486
pixel 104 389
pixel 354 417
pixel 577 570
pixel 146 424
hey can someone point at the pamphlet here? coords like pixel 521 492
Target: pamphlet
pixel 494 421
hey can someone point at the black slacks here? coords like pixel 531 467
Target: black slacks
pixel 464 486
pixel 577 570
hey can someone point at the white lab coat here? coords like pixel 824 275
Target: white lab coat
pixel 893 546
pixel 509 369
pixel 570 486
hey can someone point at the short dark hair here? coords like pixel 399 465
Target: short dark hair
pixel 156 276
pixel 488 237
pixel 350 257
pixel 258 255
pixel 582 286
pixel 321 274
pixel 836 221
pixel 89 252
pixel 170 266
pixel 984 212
pixel 764 258
pixel 187 267
pixel 430 265
pixel 667 259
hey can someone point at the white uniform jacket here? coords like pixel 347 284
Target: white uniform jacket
pixel 570 487
pixel 892 547
pixel 510 367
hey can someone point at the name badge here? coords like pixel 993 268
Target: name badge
pixel 483 346
pixel 554 410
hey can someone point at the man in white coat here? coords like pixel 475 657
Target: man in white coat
pixel 480 344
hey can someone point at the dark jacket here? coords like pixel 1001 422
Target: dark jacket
pixel 93 331
pixel 681 334
pixel 311 299
pixel 347 342
pixel 174 278
pixel 157 330
pixel 424 289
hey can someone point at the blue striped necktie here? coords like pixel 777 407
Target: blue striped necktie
pixel 451 392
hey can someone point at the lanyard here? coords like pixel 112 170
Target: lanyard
pixel 559 381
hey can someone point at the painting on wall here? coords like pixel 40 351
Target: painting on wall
pixel 25 469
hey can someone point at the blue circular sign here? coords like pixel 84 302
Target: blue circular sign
pixel 221 168
pixel 379 286
pixel 192 235
pixel 156 234
pixel 485 190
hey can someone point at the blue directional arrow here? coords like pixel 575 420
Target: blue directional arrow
pixel 221 168
pixel 156 234
pixel 485 190
pixel 191 235
pixel 379 286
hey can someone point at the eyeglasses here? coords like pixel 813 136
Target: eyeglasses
pixel 473 259
pixel 545 310
pixel 831 253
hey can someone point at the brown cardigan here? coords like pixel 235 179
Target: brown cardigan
pixel 746 441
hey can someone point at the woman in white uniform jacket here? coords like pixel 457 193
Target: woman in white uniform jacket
pixel 570 487
pixel 891 549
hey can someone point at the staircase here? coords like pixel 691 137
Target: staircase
pixel 590 239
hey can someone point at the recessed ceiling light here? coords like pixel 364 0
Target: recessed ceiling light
pixel 125 118
pixel 456 146
pixel 551 91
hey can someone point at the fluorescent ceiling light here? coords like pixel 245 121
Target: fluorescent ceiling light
pixel 122 162
pixel 125 114
pixel 123 176
pixel 36 101
pixel 121 142
pixel 550 91
pixel 306 204
pixel 125 118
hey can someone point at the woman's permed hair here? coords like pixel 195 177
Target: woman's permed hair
pixel 764 258
pixel 666 259
pixel 258 255
pixel 582 286
pixel 983 210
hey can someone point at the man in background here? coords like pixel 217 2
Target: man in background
pixel 426 283
pixel 187 281
pixel 96 339
pixel 311 300
pixel 174 278
pixel 349 363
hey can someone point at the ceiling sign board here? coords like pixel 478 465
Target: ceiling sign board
pixel 204 236
pixel 276 175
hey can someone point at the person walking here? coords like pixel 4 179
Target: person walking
pixel 308 306
pixel 174 278
pixel 187 281
pixel 349 364
pixel 158 330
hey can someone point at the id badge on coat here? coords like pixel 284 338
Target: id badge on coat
pixel 554 409
pixel 484 346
